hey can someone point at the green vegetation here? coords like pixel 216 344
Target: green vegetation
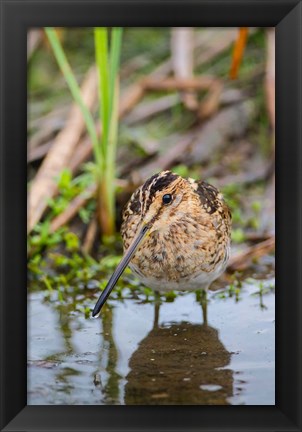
pixel 105 150
pixel 108 65
pixel 57 263
pixel 73 85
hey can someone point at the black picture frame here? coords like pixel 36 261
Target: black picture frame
pixel 16 18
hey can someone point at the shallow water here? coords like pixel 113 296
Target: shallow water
pixel 124 358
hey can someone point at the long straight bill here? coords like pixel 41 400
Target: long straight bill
pixel 119 270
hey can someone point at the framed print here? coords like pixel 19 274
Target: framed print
pixel 193 337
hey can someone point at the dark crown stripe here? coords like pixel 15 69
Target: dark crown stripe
pixel 156 183
pixel 162 182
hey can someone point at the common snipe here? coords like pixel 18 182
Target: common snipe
pixel 176 235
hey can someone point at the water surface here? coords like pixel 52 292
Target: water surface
pixel 124 357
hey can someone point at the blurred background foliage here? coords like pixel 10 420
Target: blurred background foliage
pixel 178 110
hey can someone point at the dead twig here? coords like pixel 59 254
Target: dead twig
pixel 230 122
pixel 130 97
pixel 182 47
pixel 164 161
pixel 75 205
pixel 197 145
pixel 243 259
pixel 210 103
pixel 151 108
pixel 44 185
pixel 209 44
pixel 90 235
pixel 134 64
pixel 212 135
pixel 257 237
pixel 172 83
pixel 39 152
pixel 81 154
pixel 52 164
pixel 133 94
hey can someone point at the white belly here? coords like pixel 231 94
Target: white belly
pixel 202 280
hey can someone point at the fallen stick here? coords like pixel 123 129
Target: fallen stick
pixel 48 128
pixel 39 152
pixel 259 173
pixel 243 259
pixel 182 48
pixel 81 154
pixel 148 109
pixel 257 236
pixel 217 43
pixel 133 94
pixel 230 122
pixel 172 83
pixel 130 98
pixel 90 236
pixel 210 103
pixel 151 108
pixel 77 203
pixel 52 119
pixel 74 206
pixel 134 64
pixel 198 145
pixel 166 160
pixel 44 185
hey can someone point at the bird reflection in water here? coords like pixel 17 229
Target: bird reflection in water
pixel 180 364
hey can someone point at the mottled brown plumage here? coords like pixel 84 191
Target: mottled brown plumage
pixel 176 235
pixel 188 244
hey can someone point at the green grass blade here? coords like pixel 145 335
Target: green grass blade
pixel 73 86
pixel 111 152
pixel 101 53
pixel 115 50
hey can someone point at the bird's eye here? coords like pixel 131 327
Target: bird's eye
pixel 167 198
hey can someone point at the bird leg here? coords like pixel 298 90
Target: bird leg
pixel 204 306
pixel 156 308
